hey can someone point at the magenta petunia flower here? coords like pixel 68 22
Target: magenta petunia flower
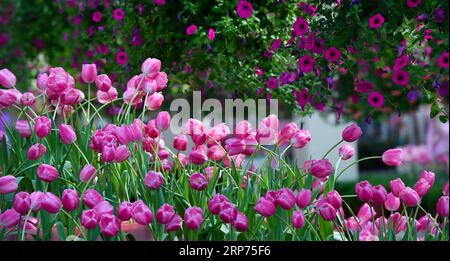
pixel 103 49
pixel 301 26
pixel 413 3
pixel 376 99
pixel 272 82
pixel 159 2
pixel 306 63
pixel 97 16
pixel 364 87
pixel 443 60
pixel 376 21
pixel 302 97
pixel 211 34
pixel 118 14
pixel 276 44
pixel 332 54
pixel 122 58
pixel 192 29
pixel 244 9
pixel 400 77
pixel 401 62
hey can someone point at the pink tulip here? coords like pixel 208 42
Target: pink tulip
pixel 265 207
pixel 327 211
pixel 154 180
pixel 285 198
pixel 445 189
pixel 422 187
pixel 151 67
pixel 298 219
pixel 41 81
pixel 304 198
pixel 109 225
pixel 161 81
pixel 346 151
pixel 67 134
pixel 215 202
pixel 42 126
pixel 268 130
pixel 180 142
pixel 174 224
pixel 51 203
pixel 121 154
pixel 70 199
pixel 334 199
pixel 399 222
pixel 36 199
pixel 88 219
pixel 365 213
pixel 22 202
pixel 103 208
pixel 7 78
pixel 392 202
pixel 217 134
pixel 103 83
pixel 379 195
pixel 228 212
pixel 8 184
pixel 193 217
pixel 163 120
pixel 123 134
pixel 234 146
pixel 197 157
pixel 36 151
pixel 87 173
pixel 23 127
pixel 215 153
pixel 409 197
pixel 393 157
pixel 91 198
pixel 124 211
pixel 397 186
pixel 250 145
pixel 351 133
pixel 300 139
pixel 363 191
pixel 198 181
pixel 242 129
pixel 107 97
pixel 428 176
pixel 285 134
pixel 47 173
pixel 321 168
pixel 154 101
pixel 10 218
pixel 7 98
pixel 141 213
pixel 442 206
pixel 89 73
pixel 165 213
pixel 28 99
pixel 241 222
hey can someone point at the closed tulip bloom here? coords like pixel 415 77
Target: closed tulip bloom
pixel 228 212
pixel 346 151
pixel 121 154
pixel 393 157
pixel 36 199
pixel 165 213
pixel 141 213
pixel 198 181
pixel 109 225
pixel 265 207
pixel 88 219
pixel 327 211
pixel 7 78
pixel 397 186
pixel 42 126
pixel 154 101
pixel 197 157
pixel 10 218
pixel 174 224
pixel 409 197
pixel 23 127
pixel 334 199
pixel 47 173
pixel 392 202
pixel 300 139
pixel 215 153
pixel 363 191
pixel 193 217
pixel 365 213
pixel 123 134
pixel 304 198
pixel 163 120
pixel 285 198
pixel 124 211
pixel 422 187
pixel 298 219
pixel 41 81
pixel 154 180
pixel 242 129
pixel 379 195
pixel 36 151
pixel 87 172
pixel 22 202
pixel 70 199
pixel 91 198
pixel 151 67
pixel 8 98
pixel 103 208
pixel 217 134
pixel 445 189
pixel 428 176
pixel 67 134
pixel 8 184
pixel 241 222
pixel 215 203
pixel 351 133
pixel 180 142
pixel 89 73
pixel 285 134
pixel 321 168
pixel 51 203
pixel 442 206
pixel 103 82
pixel 28 99
pixel 234 146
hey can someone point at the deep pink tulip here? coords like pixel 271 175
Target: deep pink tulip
pixel 334 198
pixel 193 217
pixel 41 81
pixel 22 202
pixel 70 199
pixel 409 197
pixel 379 195
pixel 399 222
pixel 392 202
pixel 242 129
pixel 198 181
pixel 298 219
pixel 363 191
pixel 88 219
pixel 42 126
pixel 321 168
pixel 28 99
pixel 8 184
pixel 47 173
pixel 393 157
pixel 265 208
pixel 23 127
pixel 36 151
pixel 180 142
pixel 327 211
pixel 396 186
pixel 215 153
pixel 174 224
pixel 215 202
pixel 442 206
pixel 351 133
pixel 103 83
pixel 87 173
pixel 10 218
pixel 124 211
pixel 8 98
pixel 228 212
pixel 123 134
pixel 91 198
pixel 346 151
pixel 285 198
pixel 300 139
pixel 285 134
pixel 154 101
pixel 7 78
pixel 154 180
pixel 141 213
pixel 121 154
pixel 234 146
pixel 165 213
pixel 36 200
pixel 109 225
pixel 268 130
pixel 67 134
pixel 151 67
pixel 163 120
pixel 89 73
pixel 304 198
pixel 445 189
pixel 217 134
pixel 365 213
pixel 422 187
pixel 51 203
pixel 197 157
pixel 103 208
pixel 241 222
pixel 428 176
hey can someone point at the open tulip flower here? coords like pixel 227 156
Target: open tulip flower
pixel 69 167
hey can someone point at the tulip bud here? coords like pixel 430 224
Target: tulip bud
pixel 174 224
pixel 351 133
pixel 392 203
pixel 321 168
pixel 47 173
pixel 154 101
pixel 103 83
pixel 121 154
pixel 8 184
pixel 109 225
pixel 298 219
pixel 154 180
pixel 91 198
pixel 346 151
pixel 286 133
pixel 165 213
pixel 22 202
pixel 197 157
pixel 265 207
pixel 41 81
pixel 228 212
pixel 151 67
pixel 397 186
pixel 103 208
pixel 393 157
pixel 70 199
pixel 363 191
pixel 124 211
pixel 7 78
pixel 241 222
pixel 327 211
pixel 88 219
pixel 300 139
pixel 445 189
pixel 365 213
pixel 36 199
pixel 51 203
pixel 334 199
pixel 9 218
pixel 180 142
pixel 193 217
pixel 36 151
pixel 428 176
pixel 198 181
pixel 442 206
pixel 87 173
pixel 89 73
pixel 67 134
pixel 42 126
pixel 379 195
pixel 141 213
pixel 23 127
pixel 215 202
pixel 409 197
pixel 163 120
pixel 285 198
pixel 28 99
pixel 422 187
pixel 304 198
pixel 215 153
